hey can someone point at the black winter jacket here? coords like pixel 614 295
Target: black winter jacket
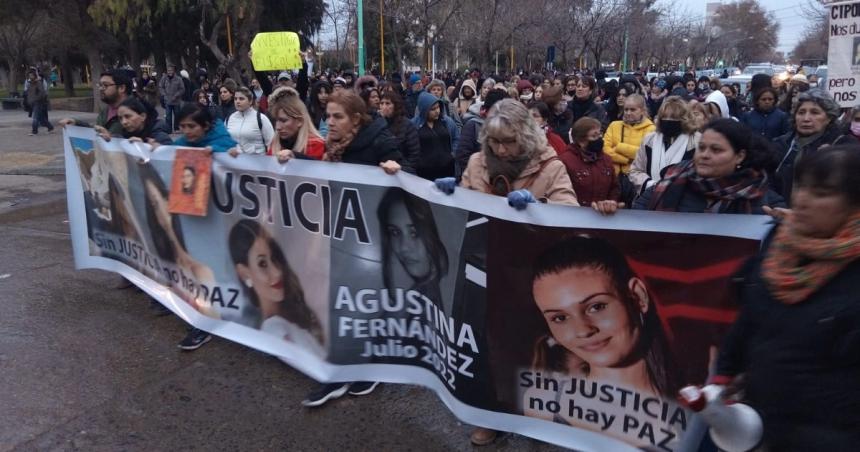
pixel 783 175
pixel 801 362
pixel 769 125
pixel 406 136
pixel 468 144
pixel 373 145
pixel 695 202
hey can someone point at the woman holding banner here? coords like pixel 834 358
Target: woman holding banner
pixel 796 341
pixel 165 232
pixel 139 121
pixel 273 287
pixel 199 129
pixel 515 161
pixel 726 175
pixel 295 130
pixel 355 137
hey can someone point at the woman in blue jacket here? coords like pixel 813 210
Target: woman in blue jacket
pixel 765 119
pixel 200 129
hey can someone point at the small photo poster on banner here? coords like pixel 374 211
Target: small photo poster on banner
pixel 189 185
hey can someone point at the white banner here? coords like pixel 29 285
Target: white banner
pixel 349 274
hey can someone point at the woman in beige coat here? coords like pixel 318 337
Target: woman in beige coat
pixel 515 161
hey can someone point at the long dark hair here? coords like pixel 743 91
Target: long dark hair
pixel 398 120
pixel 163 247
pixel 142 108
pixel 599 254
pixel 293 308
pixel 760 154
pixel 422 217
pixel 316 110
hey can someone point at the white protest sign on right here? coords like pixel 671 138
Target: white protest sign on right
pixel 843 56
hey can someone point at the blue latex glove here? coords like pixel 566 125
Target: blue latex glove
pixel 519 199
pixel 446 184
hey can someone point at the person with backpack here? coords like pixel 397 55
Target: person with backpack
pixel 250 128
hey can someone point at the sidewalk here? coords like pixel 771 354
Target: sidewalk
pixel 37 155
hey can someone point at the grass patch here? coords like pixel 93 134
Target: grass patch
pixel 58 92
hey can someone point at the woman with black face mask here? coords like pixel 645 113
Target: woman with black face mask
pixel 674 141
pixel 591 172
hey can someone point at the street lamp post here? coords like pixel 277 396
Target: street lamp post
pixel 645 5
pixel 360 37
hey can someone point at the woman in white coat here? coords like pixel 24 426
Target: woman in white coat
pixel 250 128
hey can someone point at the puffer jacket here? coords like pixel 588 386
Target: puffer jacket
pixel 621 142
pixel 545 177
pixel 406 135
pixel 591 181
pixel 770 124
pixel 373 145
pixel 217 137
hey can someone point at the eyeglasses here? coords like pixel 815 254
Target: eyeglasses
pixel 497 142
pixel 104 86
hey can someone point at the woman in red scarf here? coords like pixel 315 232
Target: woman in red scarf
pixel 797 338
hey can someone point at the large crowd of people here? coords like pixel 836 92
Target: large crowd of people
pixel 673 143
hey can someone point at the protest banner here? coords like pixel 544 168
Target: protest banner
pixel 553 322
pixel 843 54
pixel 275 51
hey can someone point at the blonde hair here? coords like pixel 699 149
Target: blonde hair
pixel 675 106
pixel 288 100
pixel 510 115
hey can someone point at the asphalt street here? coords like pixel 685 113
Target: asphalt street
pixel 85 366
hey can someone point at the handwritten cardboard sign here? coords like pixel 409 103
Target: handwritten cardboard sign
pixel 276 51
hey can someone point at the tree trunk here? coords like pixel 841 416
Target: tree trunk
pixel 68 73
pixel 14 68
pixel 94 57
pixel 134 54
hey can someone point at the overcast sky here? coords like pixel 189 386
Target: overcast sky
pixel 787 12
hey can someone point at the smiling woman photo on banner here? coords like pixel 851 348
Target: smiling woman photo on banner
pixel 411 239
pixel 602 331
pixel 273 287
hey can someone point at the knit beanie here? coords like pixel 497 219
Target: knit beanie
pixel 523 85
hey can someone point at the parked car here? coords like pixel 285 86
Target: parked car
pixel 743 80
pixel 753 69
